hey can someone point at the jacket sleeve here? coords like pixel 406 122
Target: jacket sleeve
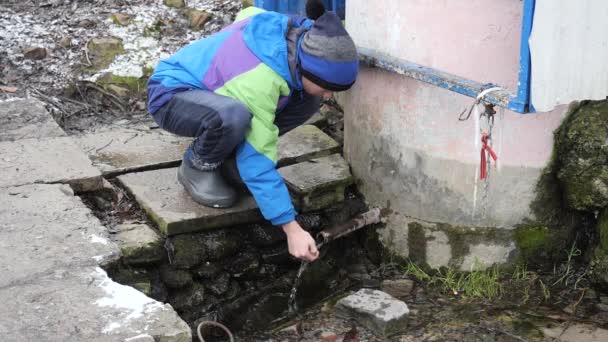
pixel 260 90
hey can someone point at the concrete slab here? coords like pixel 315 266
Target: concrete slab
pixel 52 287
pixel 26 118
pixel 375 310
pixel 139 244
pixel 304 143
pixel 124 150
pixel 164 199
pixel 318 183
pixel 47 160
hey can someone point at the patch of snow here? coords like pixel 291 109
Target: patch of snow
pixel 133 302
pixel 110 327
pixel 136 337
pixel 98 258
pixel 99 239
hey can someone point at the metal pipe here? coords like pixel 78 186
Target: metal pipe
pixel 357 222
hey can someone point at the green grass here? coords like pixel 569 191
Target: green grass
pixel 479 283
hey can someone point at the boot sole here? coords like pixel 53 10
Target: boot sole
pixel 217 204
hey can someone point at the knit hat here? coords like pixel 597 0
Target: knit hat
pixel 328 56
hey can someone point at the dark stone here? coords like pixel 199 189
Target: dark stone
pixel 309 221
pixel 233 290
pixel 398 288
pixel 219 285
pixel 220 244
pixel 318 281
pixel 187 251
pixel 35 53
pixel 278 255
pixel 175 278
pixel 255 310
pixel 268 271
pixel 265 235
pixel 245 265
pixel 207 270
pixel 188 299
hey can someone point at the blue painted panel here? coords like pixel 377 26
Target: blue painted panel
pixel 523 92
pixel 299 6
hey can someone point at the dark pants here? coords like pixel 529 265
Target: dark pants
pixel 219 123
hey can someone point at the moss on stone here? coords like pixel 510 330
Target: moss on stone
pixel 187 252
pixel 582 154
pixel 103 50
pixel 539 245
pixel 134 85
pixel 598 271
pixel 175 278
pixel 154 30
pixel 175 3
pixel 417 242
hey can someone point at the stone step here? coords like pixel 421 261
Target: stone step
pixel 26 118
pixel 139 244
pixel 132 149
pixel 376 310
pixel 317 183
pixel 47 160
pixel 51 247
pixel 304 143
pixel 167 203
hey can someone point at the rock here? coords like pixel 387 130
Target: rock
pixel 47 160
pixel 602 229
pixel 317 120
pixel 175 278
pixel 26 118
pixel 255 310
pixel 375 310
pixel 247 3
pixel 65 42
pixel 139 244
pixel 601 306
pixel 197 19
pixel 319 281
pixel 245 265
pixel 219 285
pixel 582 152
pixel 121 19
pixel 188 299
pixel 122 150
pixel 35 53
pixel 277 255
pixel 603 299
pixel 265 235
pixel 575 332
pixel 102 50
pixel 304 143
pixel 207 270
pixel 598 273
pixel 86 23
pixel 118 91
pixel 174 3
pixel 186 251
pixel 309 221
pixel 164 199
pixel 319 183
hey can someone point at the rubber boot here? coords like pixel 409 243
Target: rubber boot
pixel 206 187
pixel 232 176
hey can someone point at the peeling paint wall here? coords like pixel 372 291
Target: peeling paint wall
pixel 403 138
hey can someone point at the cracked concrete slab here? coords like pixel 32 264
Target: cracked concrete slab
pixel 52 287
pixel 164 199
pixel 304 143
pixel 26 118
pixel 47 160
pixel 132 149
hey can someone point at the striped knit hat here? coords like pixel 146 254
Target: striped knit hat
pixel 328 56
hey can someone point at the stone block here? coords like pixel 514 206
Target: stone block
pixel 164 199
pixel 26 118
pixel 50 246
pixel 304 143
pixel 375 310
pixel 127 150
pixel 318 183
pixel 47 160
pixel 139 244
pixel 318 120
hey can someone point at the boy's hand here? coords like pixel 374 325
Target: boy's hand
pixel 300 242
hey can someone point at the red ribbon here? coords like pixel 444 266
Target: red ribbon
pixel 483 172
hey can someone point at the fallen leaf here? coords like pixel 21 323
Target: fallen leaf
pixel 331 338
pixel 8 89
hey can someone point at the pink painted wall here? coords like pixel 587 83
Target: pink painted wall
pixel 476 39
pixel 402 136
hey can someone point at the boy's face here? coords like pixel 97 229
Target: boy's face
pixel 315 90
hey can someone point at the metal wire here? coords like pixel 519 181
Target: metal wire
pixel 215 324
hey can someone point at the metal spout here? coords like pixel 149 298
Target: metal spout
pixel 357 222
